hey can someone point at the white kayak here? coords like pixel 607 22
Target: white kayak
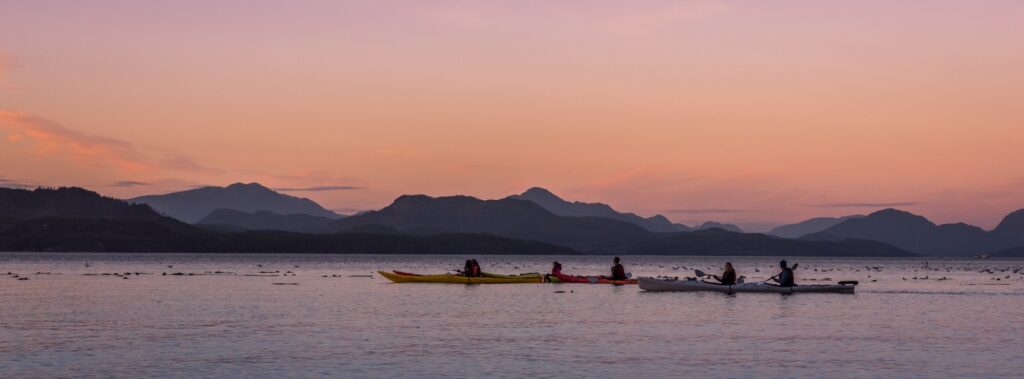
pixel 693 285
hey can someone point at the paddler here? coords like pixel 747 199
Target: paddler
pixel 618 272
pixel 728 276
pixel 785 278
pixel 475 270
pixel 556 268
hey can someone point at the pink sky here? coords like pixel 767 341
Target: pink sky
pixel 752 112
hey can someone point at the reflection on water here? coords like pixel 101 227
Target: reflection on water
pixel 909 318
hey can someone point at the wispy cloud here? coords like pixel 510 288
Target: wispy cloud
pixel 318 188
pixel 51 139
pixel 11 183
pixel 128 183
pixel 865 205
pixel 309 177
pixel 711 210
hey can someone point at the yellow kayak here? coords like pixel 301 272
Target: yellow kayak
pixel 459 279
pixel 531 275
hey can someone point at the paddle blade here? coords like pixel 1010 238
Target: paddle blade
pixel 592 279
pixel 699 273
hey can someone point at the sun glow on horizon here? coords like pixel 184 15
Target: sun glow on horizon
pixel 752 113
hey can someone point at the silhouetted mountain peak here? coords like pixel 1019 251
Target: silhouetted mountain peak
pixel 538 192
pixel 911 232
pixel 555 204
pixel 717 225
pixel 898 216
pixel 411 199
pixel 248 187
pixel 660 218
pixel 192 205
pixel 1012 223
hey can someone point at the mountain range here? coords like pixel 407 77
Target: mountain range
pixel 74 219
pixel 192 205
pixel 656 223
pixel 536 220
pixel 258 207
pixel 520 219
pixel 916 233
pixel 508 217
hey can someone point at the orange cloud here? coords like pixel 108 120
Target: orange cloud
pixel 50 139
pixel 53 140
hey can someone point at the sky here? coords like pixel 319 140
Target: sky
pixel 757 113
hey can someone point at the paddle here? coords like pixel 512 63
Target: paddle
pixel 701 274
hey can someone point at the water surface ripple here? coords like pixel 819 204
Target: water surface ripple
pixel 909 318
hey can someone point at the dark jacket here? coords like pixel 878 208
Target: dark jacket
pixel 728 277
pixel 786 277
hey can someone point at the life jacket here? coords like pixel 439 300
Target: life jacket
pixel 618 272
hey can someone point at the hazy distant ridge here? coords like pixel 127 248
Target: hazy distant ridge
pixel 918 234
pixel 192 205
pixel 231 219
pixel 806 227
pixel 509 217
pixel 558 206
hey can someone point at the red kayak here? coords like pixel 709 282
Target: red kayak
pixel 563 278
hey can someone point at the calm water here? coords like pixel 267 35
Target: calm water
pixel 75 321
